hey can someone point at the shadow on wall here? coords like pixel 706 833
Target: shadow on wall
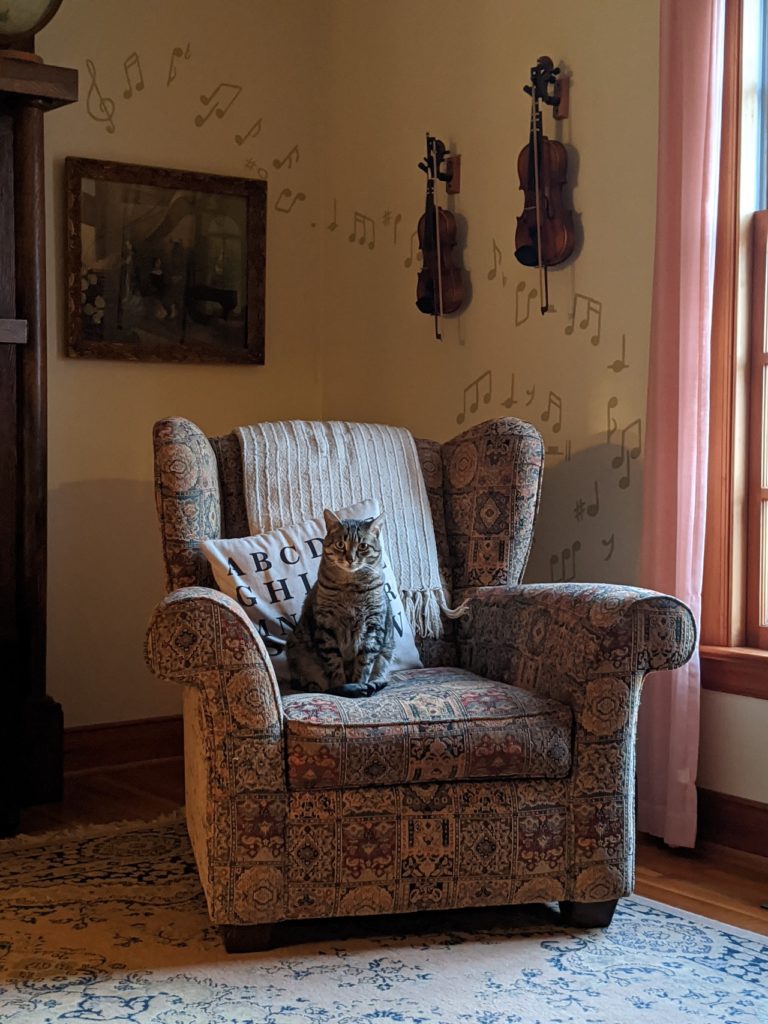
pixel 105 576
pixel 590 518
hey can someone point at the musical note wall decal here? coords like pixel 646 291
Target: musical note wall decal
pixel 474 387
pixel 497 258
pixel 229 94
pixel 387 218
pixel 553 449
pixel 531 392
pixel 409 259
pixel 612 424
pixel 282 207
pixel 609 544
pixel 619 364
pixel 334 223
pixel 363 220
pixel 554 402
pixel 532 294
pixel 176 54
pixel 252 165
pixel 287 159
pixel 629 452
pixel 100 108
pixel 569 554
pixel 133 75
pixel 252 132
pixel 511 400
pixel 592 306
pixel 566 555
pixel 594 507
pixel 460 331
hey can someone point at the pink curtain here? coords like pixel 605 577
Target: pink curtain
pixel 677 423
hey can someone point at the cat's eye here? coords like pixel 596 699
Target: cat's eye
pixel 339 545
pixel 362 547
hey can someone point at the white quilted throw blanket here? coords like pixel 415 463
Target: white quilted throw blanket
pixel 294 469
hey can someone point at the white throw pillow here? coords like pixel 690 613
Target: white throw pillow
pixel 270 574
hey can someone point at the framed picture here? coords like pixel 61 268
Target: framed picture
pixel 164 265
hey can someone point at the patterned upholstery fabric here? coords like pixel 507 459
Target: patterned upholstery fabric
pixel 187 500
pixel 491 486
pixel 268 850
pixel 428 725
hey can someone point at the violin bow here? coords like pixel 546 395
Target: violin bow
pixel 437 280
pixel 535 135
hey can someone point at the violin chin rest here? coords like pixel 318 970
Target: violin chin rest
pixel 527 255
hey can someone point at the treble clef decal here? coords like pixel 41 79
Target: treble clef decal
pixel 100 108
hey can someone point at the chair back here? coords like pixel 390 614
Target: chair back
pixel 483 486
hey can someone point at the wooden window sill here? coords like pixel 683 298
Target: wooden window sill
pixel 739 670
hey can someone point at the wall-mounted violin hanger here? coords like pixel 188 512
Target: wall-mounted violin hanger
pixel 561 95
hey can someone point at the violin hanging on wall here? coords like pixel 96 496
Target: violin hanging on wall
pixel 545 233
pixel 440 286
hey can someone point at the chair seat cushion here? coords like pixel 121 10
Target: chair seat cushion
pixel 429 724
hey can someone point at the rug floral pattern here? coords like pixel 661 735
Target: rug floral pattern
pixel 111 926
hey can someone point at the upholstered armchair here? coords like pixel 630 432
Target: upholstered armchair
pixel 500 773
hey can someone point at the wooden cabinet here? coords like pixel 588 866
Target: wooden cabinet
pixel 30 721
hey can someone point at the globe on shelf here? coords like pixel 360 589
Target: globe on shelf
pixel 20 19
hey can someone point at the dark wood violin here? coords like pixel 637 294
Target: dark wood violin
pixel 545 233
pixel 440 285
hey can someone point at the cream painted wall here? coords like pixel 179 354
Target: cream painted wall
pixel 105 570
pixel 400 69
pixel 733 755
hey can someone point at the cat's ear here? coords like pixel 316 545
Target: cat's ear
pixel 331 519
pixel 375 524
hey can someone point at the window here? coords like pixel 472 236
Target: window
pixel 734 622
pixel 757 469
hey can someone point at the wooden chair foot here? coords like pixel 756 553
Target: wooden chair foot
pixel 587 915
pixel 249 938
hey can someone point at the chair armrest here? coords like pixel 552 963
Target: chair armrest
pixel 198 629
pixel 200 637
pixel 555 638
pixel 236 787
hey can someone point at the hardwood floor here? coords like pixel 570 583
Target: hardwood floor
pixel 714 881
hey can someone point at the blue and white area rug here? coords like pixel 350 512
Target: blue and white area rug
pixel 109 924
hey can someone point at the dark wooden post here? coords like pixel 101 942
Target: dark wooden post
pixel 31 722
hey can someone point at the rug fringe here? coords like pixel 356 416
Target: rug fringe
pixel 25 840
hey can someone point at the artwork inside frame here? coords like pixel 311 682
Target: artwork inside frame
pixel 164 265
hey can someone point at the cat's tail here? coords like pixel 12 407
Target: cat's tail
pixel 455 613
pixel 424 609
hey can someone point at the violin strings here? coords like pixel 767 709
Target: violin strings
pixel 535 136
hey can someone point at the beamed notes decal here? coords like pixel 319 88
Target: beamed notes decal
pixel 574 377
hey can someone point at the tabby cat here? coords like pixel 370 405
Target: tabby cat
pixel 345 636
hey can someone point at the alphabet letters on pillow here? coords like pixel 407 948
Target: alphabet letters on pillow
pixel 269 575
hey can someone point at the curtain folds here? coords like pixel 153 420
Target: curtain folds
pixel 677 416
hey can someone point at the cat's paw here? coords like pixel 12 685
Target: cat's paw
pixel 353 690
